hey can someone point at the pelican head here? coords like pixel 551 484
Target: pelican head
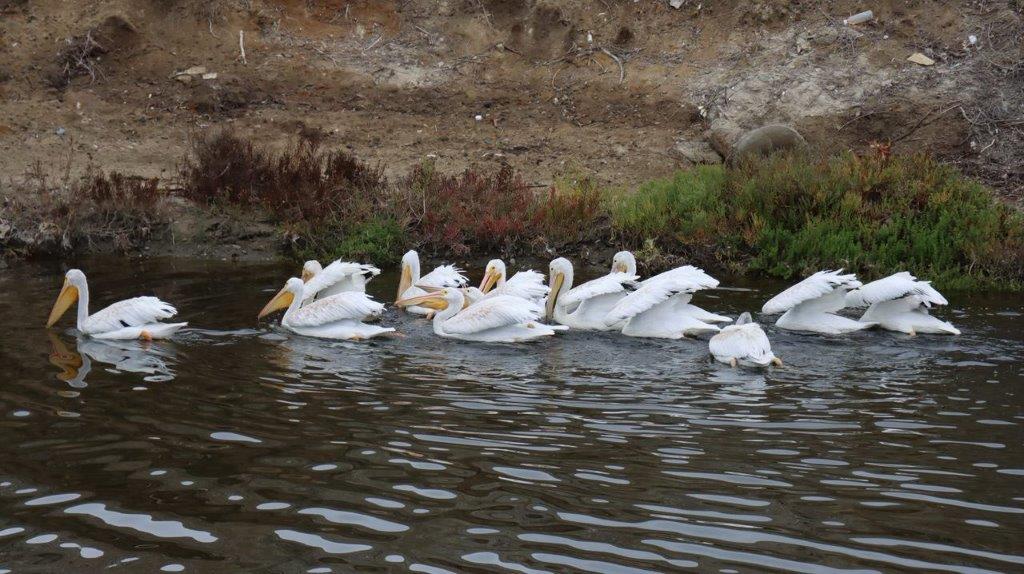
pixel 624 262
pixel 559 274
pixel 74 283
pixel 493 275
pixel 744 318
pixel 292 289
pixel 410 272
pixel 311 269
pixel 439 299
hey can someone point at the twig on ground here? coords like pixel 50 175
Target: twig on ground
pixel 241 45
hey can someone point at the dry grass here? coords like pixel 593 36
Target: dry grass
pixel 100 211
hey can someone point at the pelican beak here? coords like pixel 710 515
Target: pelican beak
pixel 490 278
pixel 404 283
pixel 68 361
pixel 306 276
pixel 430 301
pixel 556 288
pixel 68 295
pixel 282 300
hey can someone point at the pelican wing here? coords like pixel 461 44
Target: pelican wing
pixel 333 274
pixel 493 313
pixel 347 306
pixel 817 285
pixel 746 341
pixel 657 289
pixel 893 287
pixel 525 284
pixel 134 312
pixel 444 276
pixel 605 285
pixel 689 272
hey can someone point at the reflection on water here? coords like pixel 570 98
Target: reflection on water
pixel 142 357
pixel 237 447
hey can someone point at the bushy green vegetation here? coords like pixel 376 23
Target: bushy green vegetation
pixel 788 216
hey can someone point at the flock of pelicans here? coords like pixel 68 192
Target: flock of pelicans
pixel 331 302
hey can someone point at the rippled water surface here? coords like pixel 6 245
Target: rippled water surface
pixel 238 448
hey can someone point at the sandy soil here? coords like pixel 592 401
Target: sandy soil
pixel 622 90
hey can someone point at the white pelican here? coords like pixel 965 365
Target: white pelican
pixel 527 284
pixel 661 306
pixel 499 319
pixel 584 306
pixel 136 318
pixel 811 304
pixel 408 285
pixel 900 302
pixel 336 317
pixel 624 262
pixel 743 343
pixel 338 277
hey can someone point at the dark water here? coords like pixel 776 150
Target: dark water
pixel 238 449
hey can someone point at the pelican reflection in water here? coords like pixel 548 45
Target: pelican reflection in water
pixel 129 356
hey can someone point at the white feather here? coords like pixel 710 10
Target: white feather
pixel 657 289
pixel 895 286
pixel 744 343
pixel 493 313
pixel 604 285
pixel 527 285
pixel 338 273
pixel 444 276
pixel 348 306
pixel 817 285
pixel 134 312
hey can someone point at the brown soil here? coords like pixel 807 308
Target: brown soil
pixel 623 90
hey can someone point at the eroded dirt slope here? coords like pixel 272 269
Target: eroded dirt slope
pixel 624 90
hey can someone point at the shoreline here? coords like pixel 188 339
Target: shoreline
pixel 783 216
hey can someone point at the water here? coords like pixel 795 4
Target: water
pixel 238 448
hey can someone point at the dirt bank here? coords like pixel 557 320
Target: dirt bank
pixel 625 90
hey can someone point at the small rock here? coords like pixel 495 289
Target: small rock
pixel 697 151
pixel 766 140
pixel 478 117
pixel 921 59
pixel 184 79
pixel 210 76
pixel 677 4
pixel 195 71
pixel 61 131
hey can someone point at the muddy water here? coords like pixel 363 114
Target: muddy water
pixel 237 448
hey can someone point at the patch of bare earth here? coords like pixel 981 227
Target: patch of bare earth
pixel 623 90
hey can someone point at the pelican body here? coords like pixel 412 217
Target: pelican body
pixel 410 284
pixel 743 343
pixel 585 306
pixel 498 319
pixel 338 316
pixel 527 284
pixel 338 277
pixel 811 305
pixel 136 318
pixel 900 303
pixel 661 306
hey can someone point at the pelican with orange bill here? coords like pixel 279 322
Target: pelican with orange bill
pixel 338 316
pixel 498 319
pixel 136 318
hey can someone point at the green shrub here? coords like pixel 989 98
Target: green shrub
pixel 788 216
pixel 380 241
